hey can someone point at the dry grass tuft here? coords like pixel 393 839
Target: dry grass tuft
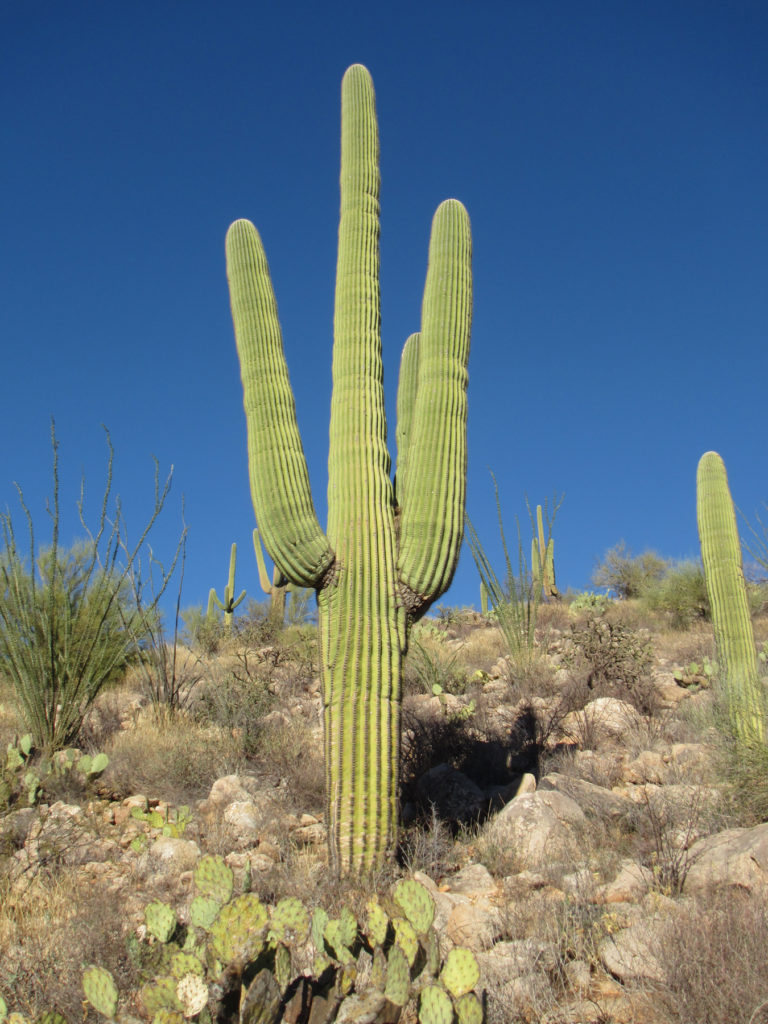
pixel 169 755
pixel 49 930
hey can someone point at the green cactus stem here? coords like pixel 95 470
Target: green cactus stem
pixel 543 559
pixel 724 573
pixel 389 550
pixel 276 589
pixel 229 603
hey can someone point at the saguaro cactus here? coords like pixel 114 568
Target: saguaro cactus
pixel 275 589
pixel 543 558
pixel 229 603
pixel 734 640
pixel 385 556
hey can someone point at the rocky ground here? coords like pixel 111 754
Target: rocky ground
pixel 570 816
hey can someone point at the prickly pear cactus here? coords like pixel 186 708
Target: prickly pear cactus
pixel 240 968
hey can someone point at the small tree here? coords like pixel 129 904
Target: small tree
pixel 67 622
pixel 628 575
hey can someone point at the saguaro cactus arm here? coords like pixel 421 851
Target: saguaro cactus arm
pixel 432 517
pixel 280 490
pixel 723 570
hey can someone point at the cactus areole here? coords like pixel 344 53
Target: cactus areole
pixel 390 547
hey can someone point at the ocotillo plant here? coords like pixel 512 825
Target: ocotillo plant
pixel 543 558
pixel 276 589
pixel 387 552
pixel 734 640
pixel 229 603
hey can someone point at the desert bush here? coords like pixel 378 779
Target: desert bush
pixel 616 661
pixel 169 755
pixel 516 597
pixel 628 575
pixel 430 666
pixel 231 698
pixel 712 950
pixel 680 595
pixel 48 930
pixel 68 621
pixel 588 601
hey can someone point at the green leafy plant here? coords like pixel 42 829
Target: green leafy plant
pixel 587 601
pixel 26 778
pixel 67 627
pixel 388 550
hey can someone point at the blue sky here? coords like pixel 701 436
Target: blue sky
pixel 612 157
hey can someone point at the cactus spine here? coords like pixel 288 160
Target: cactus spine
pixel 543 559
pixel 229 603
pixel 734 640
pixel 276 589
pixel 383 558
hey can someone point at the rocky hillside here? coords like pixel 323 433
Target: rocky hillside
pixel 573 812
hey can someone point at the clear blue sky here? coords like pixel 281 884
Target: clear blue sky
pixel 613 158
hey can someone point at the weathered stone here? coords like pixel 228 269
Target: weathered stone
pixel 737 858
pixel 540 828
pixel 595 801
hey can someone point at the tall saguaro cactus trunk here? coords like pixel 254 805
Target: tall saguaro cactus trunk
pixel 385 556
pixel 734 639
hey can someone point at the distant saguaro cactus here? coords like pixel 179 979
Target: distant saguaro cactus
pixel 275 589
pixel 734 639
pixel 229 603
pixel 386 555
pixel 543 558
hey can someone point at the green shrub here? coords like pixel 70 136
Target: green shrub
pixel 680 595
pixel 628 575
pixel 69 618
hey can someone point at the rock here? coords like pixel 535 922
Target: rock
pixel 473 880
pixel 595 801
pixel 169 856
pixel 605 718
pixel 630 885
pixel 224 791
pixel 454 796
pixel 737 857
pixel 628 954
pixel 648 766
pixel 473 925
pixel 540 827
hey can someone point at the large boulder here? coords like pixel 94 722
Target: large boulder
pixel 735 858
pixel 540 828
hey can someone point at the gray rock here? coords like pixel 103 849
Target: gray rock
pixel 737 858
pixel 595 801
pixel 541 828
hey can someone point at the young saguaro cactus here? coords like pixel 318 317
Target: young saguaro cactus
pixel 276 589
pixel 734 639
pixel 543 558
pixel 385 556
pixel 229 603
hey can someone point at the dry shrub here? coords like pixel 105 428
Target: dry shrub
pixel 49 930
pixel 713 952
pixel 169 755
pixel 293 752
